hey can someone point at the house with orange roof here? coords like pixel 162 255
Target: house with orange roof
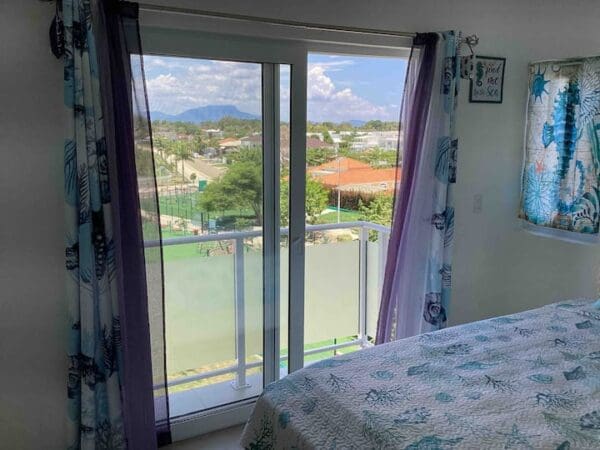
pixel 229 143
pixel 348 174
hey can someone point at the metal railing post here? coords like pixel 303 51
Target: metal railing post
pixel 240 316
pixel 384 239
pixel 363 240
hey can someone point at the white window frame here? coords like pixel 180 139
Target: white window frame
pixel 187 35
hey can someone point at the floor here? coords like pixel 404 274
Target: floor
pixel 205 397
pixel 228 439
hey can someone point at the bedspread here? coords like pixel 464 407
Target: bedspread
pixel 523 381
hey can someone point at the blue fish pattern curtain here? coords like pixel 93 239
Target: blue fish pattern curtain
pixel 560 190
pixel 94 389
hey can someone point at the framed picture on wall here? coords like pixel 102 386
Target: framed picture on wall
pixel 487 83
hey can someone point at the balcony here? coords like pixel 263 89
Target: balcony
pixel 213 306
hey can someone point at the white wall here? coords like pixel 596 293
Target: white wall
pixel 32 336
pixel 498 269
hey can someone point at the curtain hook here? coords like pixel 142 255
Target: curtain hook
pixel 472 41
pixel 57 32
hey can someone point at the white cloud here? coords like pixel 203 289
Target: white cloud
pixel 327 102
pixel 177 84
pixel 155 62
pixel 334 66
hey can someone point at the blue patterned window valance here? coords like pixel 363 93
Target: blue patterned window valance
pixel 561 191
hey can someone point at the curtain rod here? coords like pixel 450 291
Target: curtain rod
pixel 471 40
pixel 270 21
pixel 564 61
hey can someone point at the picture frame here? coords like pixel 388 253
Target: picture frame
pixel 487 82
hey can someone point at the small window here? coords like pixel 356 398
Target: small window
pixel 560 191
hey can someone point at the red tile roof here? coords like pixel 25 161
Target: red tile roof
pixel 228 141
pixel 353 172
pixel 342 164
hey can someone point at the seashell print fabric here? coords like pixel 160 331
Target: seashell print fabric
pixel 94 336
pixel 525 381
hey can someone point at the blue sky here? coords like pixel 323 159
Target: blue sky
pixel 340 87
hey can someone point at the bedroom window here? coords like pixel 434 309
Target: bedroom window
pixel 276 163
pixel 560 189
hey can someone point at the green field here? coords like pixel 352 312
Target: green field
pixel 345 216
pixel 184 207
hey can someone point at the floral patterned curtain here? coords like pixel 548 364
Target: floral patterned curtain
pixel 560 190
pixel 94 351
pixel 417 283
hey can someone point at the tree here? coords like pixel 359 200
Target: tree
pixel 347 141
pixel 249 155
pixel 161 144
pixel 240 188
pixel 284 202
pixel 379 210
pixel 318 156
pixel 182 152
pixel 143 162
pixel 378 157
pixel 316 200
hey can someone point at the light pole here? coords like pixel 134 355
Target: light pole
pixel 339 195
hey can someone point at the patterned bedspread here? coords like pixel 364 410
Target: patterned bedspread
pixel 525 381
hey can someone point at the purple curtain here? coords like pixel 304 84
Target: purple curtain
pixel 416 284
pixel 414 112
pixel 140 280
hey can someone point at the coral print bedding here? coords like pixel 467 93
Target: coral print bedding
pixel 525 381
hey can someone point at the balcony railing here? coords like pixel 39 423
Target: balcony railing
pixel 241 366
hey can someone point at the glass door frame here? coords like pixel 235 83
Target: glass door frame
pixel 178 35
pixel 270 54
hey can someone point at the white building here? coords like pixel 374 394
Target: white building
pixel 214 133
pixel 364 140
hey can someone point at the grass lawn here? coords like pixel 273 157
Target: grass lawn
pixel 185 251
pixel 345 216
pixel 183 206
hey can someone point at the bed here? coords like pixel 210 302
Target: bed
pixel 523 381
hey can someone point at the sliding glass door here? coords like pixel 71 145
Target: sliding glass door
pixel 274 227
pixel 211 164
pixel 353 161
pixel 229 162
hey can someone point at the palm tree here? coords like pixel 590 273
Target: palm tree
pixel 182 152
pixel 161 144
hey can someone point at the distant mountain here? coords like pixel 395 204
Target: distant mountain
pixel 210 113
pixel 357 123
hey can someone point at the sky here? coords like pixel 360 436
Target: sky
pixel 340 87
